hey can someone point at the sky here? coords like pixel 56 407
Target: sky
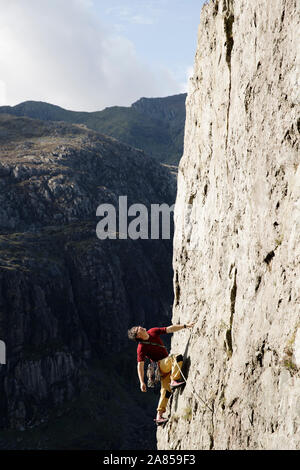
pixel 86 55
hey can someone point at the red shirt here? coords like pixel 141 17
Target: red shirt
pixel 155 353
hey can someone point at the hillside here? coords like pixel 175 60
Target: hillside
pixel 155 125
pixel 68 298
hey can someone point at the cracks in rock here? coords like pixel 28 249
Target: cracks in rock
pixel 216 8
pixel 258 282
pixel 233 291
pixel 228 23
pixel 233 297
pixel 260 354
pixel 269 257
pixel 211 444
pixel 191 199
pixel 232 402
pixel 211 436
pixel 204 193
pixel 291 135
pixel 177 290
pixel 251 417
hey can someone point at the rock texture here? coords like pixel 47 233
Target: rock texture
pixel 237 234
pixel 68 298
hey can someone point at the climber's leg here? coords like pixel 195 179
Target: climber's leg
pixel 176 377
pixel 165 393
pixel 165 366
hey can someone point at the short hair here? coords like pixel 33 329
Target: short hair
pixel 132 333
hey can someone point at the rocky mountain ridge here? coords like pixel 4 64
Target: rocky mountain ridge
pixel 66 297
pixel 155 125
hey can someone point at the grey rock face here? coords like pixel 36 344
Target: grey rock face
pixel 237 234
pixel 66 297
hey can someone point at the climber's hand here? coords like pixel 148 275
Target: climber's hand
pixel 190 325
pixel 143 387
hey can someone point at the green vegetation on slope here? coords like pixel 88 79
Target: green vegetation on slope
pixel 155 125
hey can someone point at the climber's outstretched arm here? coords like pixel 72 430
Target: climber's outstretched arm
pixel 174 328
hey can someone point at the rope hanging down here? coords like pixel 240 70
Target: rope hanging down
pixel 196 395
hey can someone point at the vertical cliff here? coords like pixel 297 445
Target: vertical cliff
pixel 237 232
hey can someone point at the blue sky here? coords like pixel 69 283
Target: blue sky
pixel 90 54
pixel 164 32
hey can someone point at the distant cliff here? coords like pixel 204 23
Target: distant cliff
pixel 155 125
pixel 237 234
pixel 66 297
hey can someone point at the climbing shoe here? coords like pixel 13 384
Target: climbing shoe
pixel 161 421
pixel 175 384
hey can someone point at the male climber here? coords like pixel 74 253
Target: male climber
pixel 151 346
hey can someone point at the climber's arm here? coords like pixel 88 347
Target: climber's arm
pixel 174 328
pixel 140 371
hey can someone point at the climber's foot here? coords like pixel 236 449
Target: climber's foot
pixel 176 383
pixel 160 420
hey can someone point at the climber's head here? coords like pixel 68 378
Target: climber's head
pixel 137 332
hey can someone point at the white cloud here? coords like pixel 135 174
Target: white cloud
pixel 145 13
pixel 56 51
pixel 140 19
pixel 2 93
pixel 184 87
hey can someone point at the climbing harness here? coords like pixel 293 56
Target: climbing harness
pixel 153 374
pixel 153 344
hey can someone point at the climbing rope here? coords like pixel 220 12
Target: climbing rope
pixel 196 395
